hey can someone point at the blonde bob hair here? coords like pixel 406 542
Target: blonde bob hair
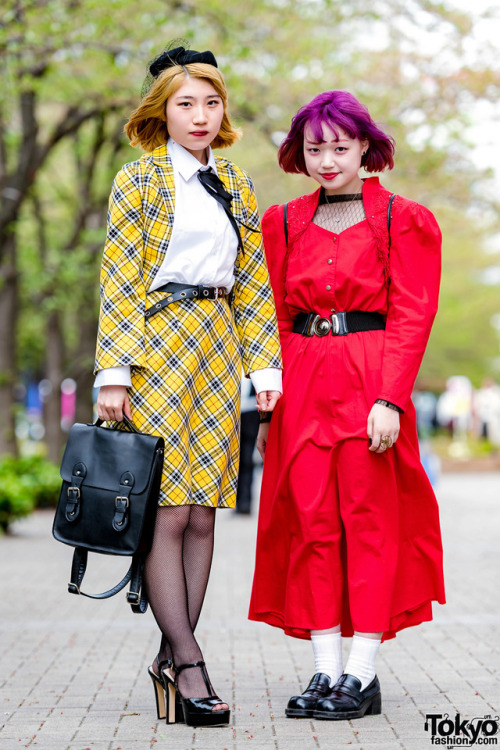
pixel 147 125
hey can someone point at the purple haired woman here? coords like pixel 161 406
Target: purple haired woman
pixel 348 541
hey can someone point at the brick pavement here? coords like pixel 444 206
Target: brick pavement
pixel 73 671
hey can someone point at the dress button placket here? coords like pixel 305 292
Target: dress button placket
pixel 331 273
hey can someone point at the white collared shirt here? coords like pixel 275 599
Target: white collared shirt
pixel 203 244
pixel 202 250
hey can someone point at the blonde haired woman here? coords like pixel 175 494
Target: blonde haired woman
pixel 184 291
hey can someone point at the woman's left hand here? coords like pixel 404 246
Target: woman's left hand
pixel 382 428
pixel 267 400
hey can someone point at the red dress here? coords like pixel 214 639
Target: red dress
pixel 346 535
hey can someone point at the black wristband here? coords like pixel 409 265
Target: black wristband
pixel 265 416
pixel 389 405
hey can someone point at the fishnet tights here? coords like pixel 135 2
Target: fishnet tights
pixel 176 574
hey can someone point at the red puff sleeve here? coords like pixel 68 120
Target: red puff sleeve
pixel 273 235
pixel 412 300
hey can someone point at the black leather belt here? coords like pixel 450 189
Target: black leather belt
pixel 338 324
pixel 177 292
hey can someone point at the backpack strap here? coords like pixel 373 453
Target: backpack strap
pixel 389 217
pixel 136 597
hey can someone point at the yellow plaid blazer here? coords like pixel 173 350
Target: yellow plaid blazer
pixel 139 227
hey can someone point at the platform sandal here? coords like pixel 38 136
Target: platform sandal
pixel 199 712
pixel 168 702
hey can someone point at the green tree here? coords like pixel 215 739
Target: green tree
pixel 73 68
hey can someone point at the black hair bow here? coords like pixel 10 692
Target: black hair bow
pixel 180 56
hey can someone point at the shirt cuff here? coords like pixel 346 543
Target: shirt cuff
pixel 267 379
pixel 114 376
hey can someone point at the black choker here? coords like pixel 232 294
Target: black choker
pixel 324 198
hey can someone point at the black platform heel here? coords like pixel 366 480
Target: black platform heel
pixel 199 712
pixel 168 702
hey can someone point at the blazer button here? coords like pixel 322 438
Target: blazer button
pixel 328 287
pixel 330 261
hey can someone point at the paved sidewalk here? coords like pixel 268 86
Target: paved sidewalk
pixel 73 671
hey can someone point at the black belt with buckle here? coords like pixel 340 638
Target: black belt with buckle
pixel 338 324
pixel 178 292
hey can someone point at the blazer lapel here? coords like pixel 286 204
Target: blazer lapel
pixel 231 183
pixel 160 158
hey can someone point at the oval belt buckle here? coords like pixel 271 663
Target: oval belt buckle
pixel 321 326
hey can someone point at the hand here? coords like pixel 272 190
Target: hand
pixel 267 400
pixel 382 423
pixel 113 403
pixel 262 438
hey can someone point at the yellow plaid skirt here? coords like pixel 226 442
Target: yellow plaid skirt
pixel 189 393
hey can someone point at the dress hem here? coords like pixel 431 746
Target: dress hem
pixel 408 618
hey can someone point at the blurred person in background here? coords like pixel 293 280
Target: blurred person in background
pixel 486 408
pixel 426 406
pixel 349 540
pixel 248 438
pixel 184 290
pixel 454 407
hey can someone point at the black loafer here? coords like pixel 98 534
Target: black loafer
pixel 347 701
pixel 302 706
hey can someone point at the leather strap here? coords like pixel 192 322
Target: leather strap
pixel 337 324
pixel 122 502
pixel 389 218
pixel 201 664
pixel 126 422
pixel 136 596
pixel 181 667
pixel 178 292
pixel 78 474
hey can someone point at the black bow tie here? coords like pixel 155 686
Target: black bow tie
pixel 215 187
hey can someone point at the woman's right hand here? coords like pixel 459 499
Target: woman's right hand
pixel 113 403
pixel 262 438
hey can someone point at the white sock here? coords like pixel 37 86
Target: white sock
pixel 327 650
pixel 361 660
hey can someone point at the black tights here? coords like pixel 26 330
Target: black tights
pixel 176 574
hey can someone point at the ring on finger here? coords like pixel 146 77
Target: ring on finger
pixel 386 442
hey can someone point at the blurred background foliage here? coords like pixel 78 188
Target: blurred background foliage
pixel 71 73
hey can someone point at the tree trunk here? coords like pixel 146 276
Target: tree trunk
pixel 83 374
pixel 9 308
pixel 54 374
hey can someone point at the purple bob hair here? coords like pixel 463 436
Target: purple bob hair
pixel 338 110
